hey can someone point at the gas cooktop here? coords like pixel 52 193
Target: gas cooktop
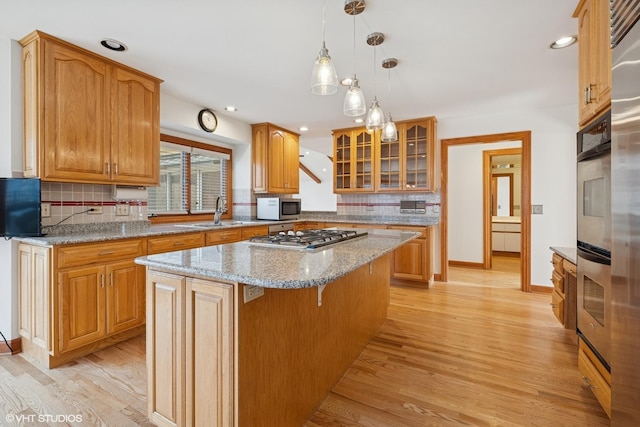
pixel 307 239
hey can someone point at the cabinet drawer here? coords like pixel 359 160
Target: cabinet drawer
pixel 569 267
pixel 556 260
pixel 511 228
pixel 76 255
pixel 558 281
pixel 254 231
pixel 594 378
pixel 175 242
pixel 557 305
pixel 225 236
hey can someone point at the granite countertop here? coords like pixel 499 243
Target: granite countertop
pixel 570 254
pixel 274 267
pixel 91 233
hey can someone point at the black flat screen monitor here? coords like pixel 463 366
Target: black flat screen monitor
pixel 20 207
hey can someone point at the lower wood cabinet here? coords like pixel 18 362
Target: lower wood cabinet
pixel 413 262
pixel 564 294
pixel 77 299
pixel 190 351
pixel 595 375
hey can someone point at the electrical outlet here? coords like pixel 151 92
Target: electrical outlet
pixel 536 209
pixel 369 208
pixel 95 210
pixel 45 210
pixel 252 292
pixel 122 210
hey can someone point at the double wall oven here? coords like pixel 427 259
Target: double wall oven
pixel 594 236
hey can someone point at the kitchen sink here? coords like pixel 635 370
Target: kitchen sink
pixel 211 224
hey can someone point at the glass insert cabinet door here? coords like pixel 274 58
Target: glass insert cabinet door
pixel 353 161
pixel 415 148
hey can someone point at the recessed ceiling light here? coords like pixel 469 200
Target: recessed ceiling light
pixel 563 42
pixel 303 129
pixel 358 120
pixel 230 108
pixel 113 45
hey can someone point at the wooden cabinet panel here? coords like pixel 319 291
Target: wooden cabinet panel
pixel 209 353
pixel 594 59
pixel 595 376
pixel 564 295
pixel 92 253
pixel 558 281
pixel 557 305
pixel 354 160
pixel 249 232
pixel 175 242
pixel 125 296
pixel 87 118
pixel 275 159
pixel 223 236
pixel 410 261
pixel 76 126
pixel 81 306
pixel 165 348
pixel 135 150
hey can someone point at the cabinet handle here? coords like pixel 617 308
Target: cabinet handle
pixel 587 382
pixel 108 165
pixel 115 168
pixel 102 279
pixel 587 94
pixel 111 279
pixel 106 253
pixel 553 305
pixel 178 243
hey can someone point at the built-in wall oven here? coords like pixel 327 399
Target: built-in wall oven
pixel 594 236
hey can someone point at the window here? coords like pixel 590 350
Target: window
pixel 192 177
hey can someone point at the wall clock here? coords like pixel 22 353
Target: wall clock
pixel 207 120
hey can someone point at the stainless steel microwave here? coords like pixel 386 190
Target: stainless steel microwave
pixel 278 208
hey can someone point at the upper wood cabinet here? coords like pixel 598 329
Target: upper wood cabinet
pixel 275 159
pixel 87 118
pixel 363 163
pixel 594 59
pixel 353 160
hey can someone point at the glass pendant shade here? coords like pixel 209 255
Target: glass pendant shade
pixel 324 79
pixel 375 118
pixel 354 103
pixel 389 131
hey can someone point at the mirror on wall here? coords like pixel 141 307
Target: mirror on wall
pixel 505 185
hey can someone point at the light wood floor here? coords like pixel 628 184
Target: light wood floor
pixel 458 354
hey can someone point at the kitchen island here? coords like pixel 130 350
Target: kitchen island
pixel 246 335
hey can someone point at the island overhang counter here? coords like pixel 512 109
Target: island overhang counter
pixel 246 335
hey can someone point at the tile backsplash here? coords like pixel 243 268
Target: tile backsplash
pixel 70 204
pixel 385 204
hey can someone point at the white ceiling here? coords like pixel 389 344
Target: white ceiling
pixel 456 57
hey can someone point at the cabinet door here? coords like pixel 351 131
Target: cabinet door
pixel 291 170
pixel 603 59
pixel 362 165
pixel 410 261
pixel 342 161
pixel 209 353
pixel 417 157
pixel 125 296
pixel 135 134
pixel 81 306
pixel 165 348
pixel 76 134
pixel 390 165
pixel 259 157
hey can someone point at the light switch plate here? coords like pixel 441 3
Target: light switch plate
pixel 45 210
pixel 536 209
pixel 122 210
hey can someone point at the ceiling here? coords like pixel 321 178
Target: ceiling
pixel 456 57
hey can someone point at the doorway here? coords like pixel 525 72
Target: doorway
pixel 524 138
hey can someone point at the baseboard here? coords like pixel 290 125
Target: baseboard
pixel 15 344
pixel 509 254
pixel 540 289
pixel 466 264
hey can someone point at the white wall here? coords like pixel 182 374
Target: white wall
pixel 10 165
pixel 465 200
pixel 553 173
pixel 314 196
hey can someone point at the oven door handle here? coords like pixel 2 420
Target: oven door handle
pixel 593 257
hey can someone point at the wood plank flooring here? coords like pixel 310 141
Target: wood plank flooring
pixel 458 354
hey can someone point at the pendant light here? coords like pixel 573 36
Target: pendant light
pixel 324 79
pixel 375 117
pixel 389 131
pixel 354 102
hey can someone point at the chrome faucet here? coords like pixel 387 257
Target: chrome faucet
pixel 219 210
